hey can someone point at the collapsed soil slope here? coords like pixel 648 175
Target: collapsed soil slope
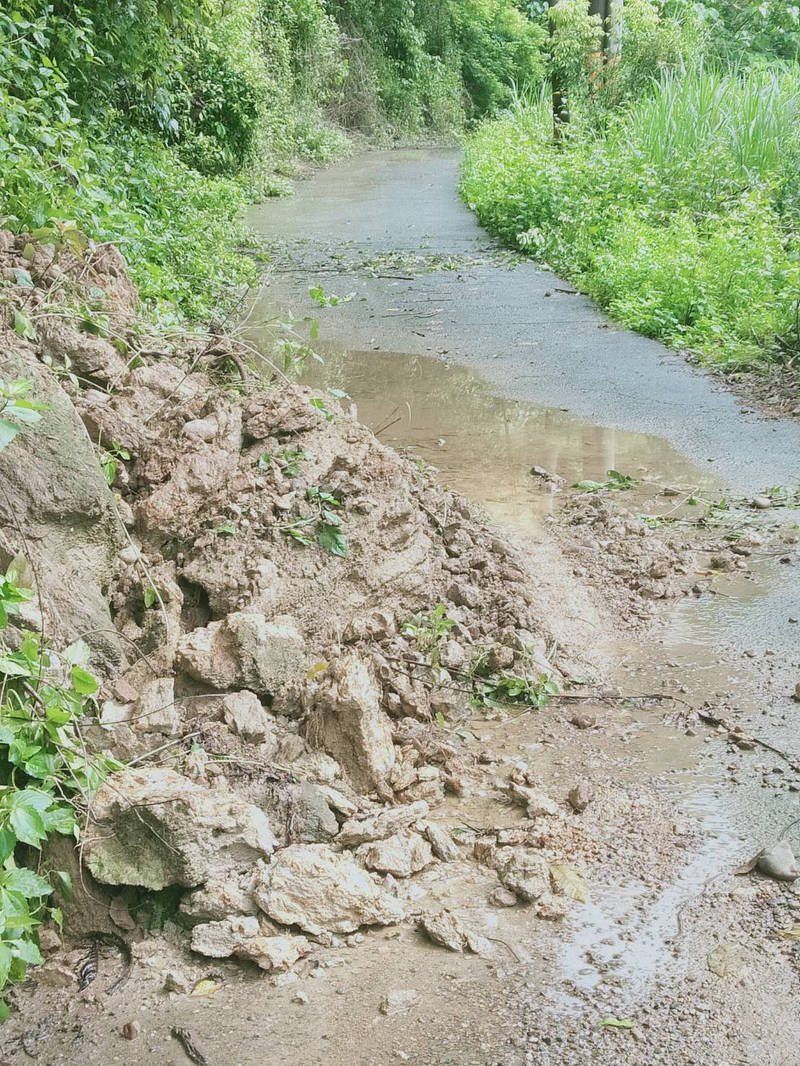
pixel 303 617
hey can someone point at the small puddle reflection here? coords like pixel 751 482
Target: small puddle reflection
pixel 484 447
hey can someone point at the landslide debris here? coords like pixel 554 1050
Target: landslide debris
pixel 291 736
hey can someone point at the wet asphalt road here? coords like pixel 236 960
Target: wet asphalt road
pixel 523 328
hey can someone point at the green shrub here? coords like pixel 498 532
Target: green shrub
pixel 678 214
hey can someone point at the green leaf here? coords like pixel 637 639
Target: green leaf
pixel 5 1012
pixel 23 277
pixel 331 539
pixel 29 827
pixel 83 682
pixel 149 597
pixel 26 882
pixel 617 1023
pixel 227 529
pixel 7 432
pixel 27 951
pixel 568 882
pixel 5 962
pixel 23 325
pixel 8 842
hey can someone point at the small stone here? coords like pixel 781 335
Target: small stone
pixel 243 713
pixel 381 825
pixel 796 696
pixel 201 429
pixel 580 796
pixel 399 1001
pixel 176 982
pixel 155 710
pixel 762 503
pixel 300 997
pixel 131 1030
pixel 582 720
pixel 501 897
pixel 441 842
pixel 779 862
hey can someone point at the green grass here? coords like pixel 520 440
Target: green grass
pixel 678 213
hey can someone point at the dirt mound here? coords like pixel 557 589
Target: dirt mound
pixel 307 617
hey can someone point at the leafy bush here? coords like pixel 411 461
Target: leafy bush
pixel 678 213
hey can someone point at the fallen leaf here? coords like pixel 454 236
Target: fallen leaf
pixel 791 934
pixel 205 987
pixel 617 1023
pixel 316 669
pixel 119 914
pixel 746 867
pixel 568 882
pixel 724 959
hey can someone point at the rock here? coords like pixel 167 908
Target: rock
pixel 318 767
pixel 796 696
pixel 441 842
pixel 447 930
pixel 155 710
pixel 538 805
pixel 338 801
pixel 119 914
pixel 242 711
pixel 219 898
pixel 310 818
pixel 131 1030
pixel 155 828
pixel 580 796
pixel 56 975
pixel 201 429
pixel 54 490
pixel 502 897
pixel 176 982
pixel 552 908
pixel 524 872
pixel 401 855
pixel 242 938
pixel 583 720
pixel 244 651
pixel 762 503
pixel 49 940
pixel 310 886
pixel 399 1001
pixel 378 826
pixel 779 862
pixel 452 656
pixel 463 594
pixel 346 720
pixel 300 997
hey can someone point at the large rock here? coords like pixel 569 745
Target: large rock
pixel 54 491
pixel 244 651
pixel 242 938
pixel 523 872
pixel 779 862
pixel 401 855
pixel 346 720
pixel 155 708
pixel 244 714
pixel 381 824
pixel 310 886
pixel 156 828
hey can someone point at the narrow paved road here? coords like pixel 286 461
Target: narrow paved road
pixel 519 325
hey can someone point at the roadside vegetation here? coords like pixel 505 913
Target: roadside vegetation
pixel 668 190
pixel 152 123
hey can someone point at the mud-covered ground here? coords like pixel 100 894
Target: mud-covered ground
pixel 348 835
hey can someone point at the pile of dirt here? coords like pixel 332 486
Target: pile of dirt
pixel 303 619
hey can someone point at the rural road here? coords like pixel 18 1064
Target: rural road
pixel 519 326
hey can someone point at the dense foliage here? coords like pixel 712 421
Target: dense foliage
pixel 150 122
pixel 673 200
